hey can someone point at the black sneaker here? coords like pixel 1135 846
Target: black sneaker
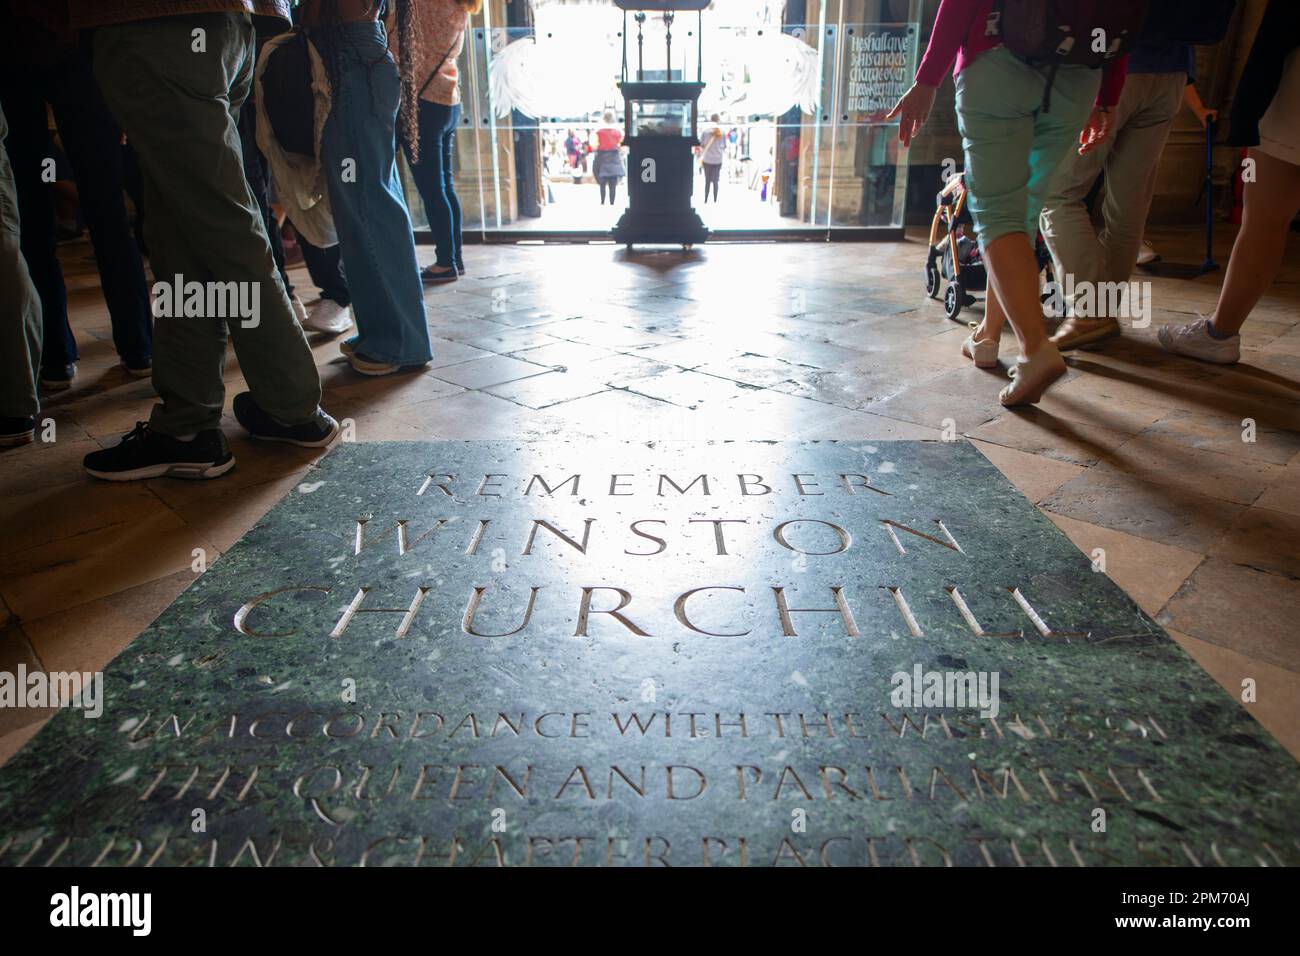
pixel 144 453
pixel 314 434
pixel 16 431
pixel 58 379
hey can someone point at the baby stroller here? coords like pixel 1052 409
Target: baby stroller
pixel 956 257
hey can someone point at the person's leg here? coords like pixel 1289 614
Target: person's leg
pixel 92 139
pixel 431 179
pixel 20 317
pixel 1131 167
pixel 325 266
pixel 1066 221
pixel 1271 202
pixel 989 329
pixel 997 134
pixel 449 188
pixel 1013 149
pixel 29 147
pixel 133 181
pixel 1055 140
pixel 370 214
pixel 259 183
pixel 178 110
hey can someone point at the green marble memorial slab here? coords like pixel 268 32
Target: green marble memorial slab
pixel 747 653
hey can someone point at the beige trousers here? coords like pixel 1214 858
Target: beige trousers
pixel 1143 118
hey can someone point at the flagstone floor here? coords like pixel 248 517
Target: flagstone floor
pixel 1138 453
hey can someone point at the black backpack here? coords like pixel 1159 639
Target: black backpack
pixel 287 96
pixel 1198 22
pixel 1079 32
pixel 1056 33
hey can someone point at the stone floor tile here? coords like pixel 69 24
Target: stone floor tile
pixel 479 373
pixel 1150 572
pixel 1037 476
pixel 1276 705
pixel 1242 608
pixel 1156 512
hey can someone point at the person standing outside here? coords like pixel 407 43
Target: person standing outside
pixel 713 151
pixel 608 165
pixel 175 81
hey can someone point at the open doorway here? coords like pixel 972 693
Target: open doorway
pixel 799 143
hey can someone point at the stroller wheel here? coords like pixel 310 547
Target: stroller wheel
pixel 932 278
pixel 953 300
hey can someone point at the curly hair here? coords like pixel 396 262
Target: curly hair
pixel 410 39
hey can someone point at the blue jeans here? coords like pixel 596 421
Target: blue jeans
pixel 436 181
pixel 92 140
pixel 359 154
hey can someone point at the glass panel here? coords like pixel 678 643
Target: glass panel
pixel 661 118
pixel 869 181
pixel 799 107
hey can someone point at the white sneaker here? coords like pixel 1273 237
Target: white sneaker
pixel 299 309
pixel 1146 254
pixel 983 352
pixel 1194 341
pixel 329 317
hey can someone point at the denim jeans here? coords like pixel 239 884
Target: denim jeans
pixel 359 154
pixel 92 140
pixel 435 178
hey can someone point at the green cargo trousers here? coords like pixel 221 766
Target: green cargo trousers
pixel 20 307
pixel 175 84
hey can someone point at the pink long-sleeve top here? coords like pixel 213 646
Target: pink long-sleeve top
pixel 962 32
